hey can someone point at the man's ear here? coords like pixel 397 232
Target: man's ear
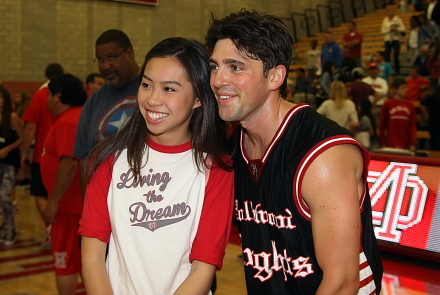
pixel 57 97
pixel 277 76
pixel 130 52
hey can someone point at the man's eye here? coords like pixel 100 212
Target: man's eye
pixel 236 68
pixel 111 58
pixel 214 67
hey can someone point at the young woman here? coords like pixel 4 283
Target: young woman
pixel 21 102
pixel 338 108
pixel 160 190
pixel 11 133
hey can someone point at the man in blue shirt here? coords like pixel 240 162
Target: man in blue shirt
pixel 331 51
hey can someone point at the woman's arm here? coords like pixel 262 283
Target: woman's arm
pixel 199 279
pixel 94 271
pixel 17 124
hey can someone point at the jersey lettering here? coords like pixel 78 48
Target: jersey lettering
pixel 265 269
pixel 258 216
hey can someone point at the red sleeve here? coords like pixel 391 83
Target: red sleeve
pixel 413 122
pixel 383 122
pixel 344 38
pixel 95 220
pixel 34 112
pixel 215 222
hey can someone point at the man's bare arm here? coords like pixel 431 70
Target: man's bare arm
pixel 29 134
pixel 332 186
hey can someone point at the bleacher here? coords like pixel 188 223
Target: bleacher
pixel 373 41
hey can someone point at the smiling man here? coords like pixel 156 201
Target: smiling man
pixel 109 106
pixel 301 195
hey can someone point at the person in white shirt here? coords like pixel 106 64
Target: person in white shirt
pixel 380 86
pixel 338 108
pixel 392 29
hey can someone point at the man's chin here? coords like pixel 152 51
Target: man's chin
pixel 113 83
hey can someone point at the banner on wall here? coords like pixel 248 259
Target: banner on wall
pixel 147 2
pixel 406 203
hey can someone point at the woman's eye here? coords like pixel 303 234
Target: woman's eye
pixel 169 89
pixel 145 85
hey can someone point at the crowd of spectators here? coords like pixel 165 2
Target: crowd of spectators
pixel 379 81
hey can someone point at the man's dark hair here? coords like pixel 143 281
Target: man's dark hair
pixel 91 78
pixel 113 35
pixel 314 43
pixel 381 53
pixel 258 36
pixel 399 82
pixel 301 70
pixel 417 68
pixel 353 23
pixel 71 89
pixel 53 70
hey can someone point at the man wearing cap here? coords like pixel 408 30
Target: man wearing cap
pixel 380 86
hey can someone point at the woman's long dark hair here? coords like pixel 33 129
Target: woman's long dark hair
pixel 208 133
pixel 5 123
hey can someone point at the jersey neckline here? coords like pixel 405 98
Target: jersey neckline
pixel 169 149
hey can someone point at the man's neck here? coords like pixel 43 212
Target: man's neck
pixel 261 128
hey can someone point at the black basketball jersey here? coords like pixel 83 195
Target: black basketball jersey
pixel 274 221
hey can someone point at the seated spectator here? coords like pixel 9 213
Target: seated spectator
pixel 366 131
pixel 331 52
pixel 422 61
pixel 313 55
pixel 360 90
pixel 398 125
pixel 418 36
pixel 431 26
pixel 416 84
pixel 430 111
pixel 295 54
pixel 338 108
pixel 385 69
pixel 327 77
pixel 304 92
pixel 380 86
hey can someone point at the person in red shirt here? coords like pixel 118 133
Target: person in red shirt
pixel 398 118
pixel 416 84
pixel 353 41
pixel 59 171
pixel 38 123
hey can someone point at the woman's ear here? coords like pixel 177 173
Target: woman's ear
pixel 197 103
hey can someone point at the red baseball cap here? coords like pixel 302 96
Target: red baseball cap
pixel 373 65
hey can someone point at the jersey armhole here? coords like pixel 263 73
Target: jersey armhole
pixel 308 159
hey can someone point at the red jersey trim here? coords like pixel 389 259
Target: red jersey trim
pixel 169 149
pixel 277 136
pixel 311 156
